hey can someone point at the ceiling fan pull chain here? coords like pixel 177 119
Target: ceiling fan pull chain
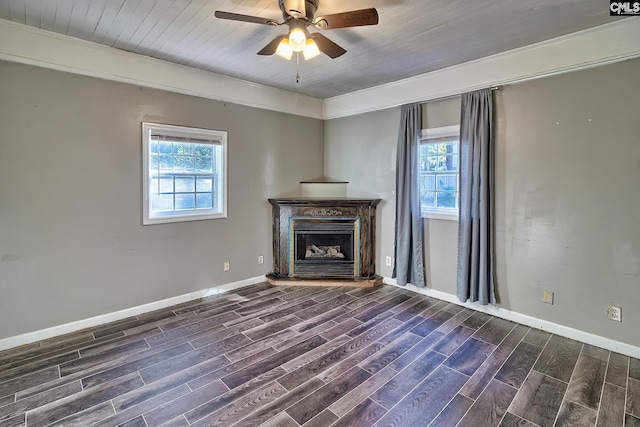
pixel 297 67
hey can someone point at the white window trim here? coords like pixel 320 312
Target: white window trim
pixel 442 214
pixel 181 131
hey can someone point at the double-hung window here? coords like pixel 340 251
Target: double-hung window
pixel 439 172
pixel 185 177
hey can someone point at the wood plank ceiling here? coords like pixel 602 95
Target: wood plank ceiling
pixel 413 37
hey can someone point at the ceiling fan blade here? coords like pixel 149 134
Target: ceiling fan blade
pixel 327 47
pixel 295 8
pixel 244 18
pixel 355 18
pixel 272 46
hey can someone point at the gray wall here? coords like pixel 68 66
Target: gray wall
pixel 361 150
pixel 71 241
pixel 568 174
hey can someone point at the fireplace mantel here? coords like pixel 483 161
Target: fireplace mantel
pixel 293 218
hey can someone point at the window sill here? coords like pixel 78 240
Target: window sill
pixel 182 218
pixel 446 216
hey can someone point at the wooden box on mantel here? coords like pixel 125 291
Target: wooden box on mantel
pixel 324 188
pixel 344 226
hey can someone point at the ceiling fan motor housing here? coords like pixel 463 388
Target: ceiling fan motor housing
pixel 310 8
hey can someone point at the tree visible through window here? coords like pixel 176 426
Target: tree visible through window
pixel 439 158
pixel 185 173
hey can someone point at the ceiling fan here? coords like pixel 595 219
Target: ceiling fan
pixel 298 15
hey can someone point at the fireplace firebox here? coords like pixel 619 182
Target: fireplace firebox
pixel 324 247
pixel 324 241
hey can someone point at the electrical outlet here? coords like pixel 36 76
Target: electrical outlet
pixel 260 259
pixel 388 261
pixel 227 266
pixel 614 313
pixel 547 297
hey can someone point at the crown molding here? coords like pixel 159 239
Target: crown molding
pixel 600 45
pixel 596 46
pixel 33 46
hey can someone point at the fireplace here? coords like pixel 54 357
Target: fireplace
pixel 324 241
pixel 324 247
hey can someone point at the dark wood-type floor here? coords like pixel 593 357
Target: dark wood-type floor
pixel 292 356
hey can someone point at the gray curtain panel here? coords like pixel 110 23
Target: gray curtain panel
pixel 409 257
pixel 475 232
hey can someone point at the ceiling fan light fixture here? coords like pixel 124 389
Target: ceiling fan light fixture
pixel 297 36
pixel 284 49
pixel 310 50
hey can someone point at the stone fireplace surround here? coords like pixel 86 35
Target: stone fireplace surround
pixel 347 223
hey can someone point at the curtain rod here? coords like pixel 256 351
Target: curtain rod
pixel 493 88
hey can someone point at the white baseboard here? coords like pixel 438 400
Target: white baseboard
pixel 91 322
pixel 502 313
pixel 533 322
